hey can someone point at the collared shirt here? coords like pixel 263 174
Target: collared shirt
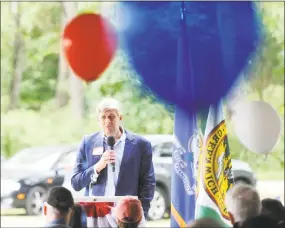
pixel 112 177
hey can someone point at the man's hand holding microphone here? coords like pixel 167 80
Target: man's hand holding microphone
pixel 108 156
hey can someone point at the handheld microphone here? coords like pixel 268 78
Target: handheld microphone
pixel 111 143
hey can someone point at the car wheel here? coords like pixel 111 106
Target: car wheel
pixel 157 205
pixel 35 199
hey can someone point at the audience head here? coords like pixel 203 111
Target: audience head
pixel 129 212
pixel 77 217
pixel 273 208
pixel 259 221
pixel 242 202
pixel 59 204
pixel 205 223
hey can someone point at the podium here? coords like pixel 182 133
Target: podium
pixel 99 210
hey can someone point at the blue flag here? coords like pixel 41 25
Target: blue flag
pixel 185 130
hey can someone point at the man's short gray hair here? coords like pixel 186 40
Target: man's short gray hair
pixel 109 104
pixel 242 202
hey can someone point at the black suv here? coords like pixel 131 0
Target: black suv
pixel 28 175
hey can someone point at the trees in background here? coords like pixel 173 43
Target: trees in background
pixel 75 84
pixel 32 57
pixel 61 96
pixel 46 104
pixel 268 67
pixel 17 65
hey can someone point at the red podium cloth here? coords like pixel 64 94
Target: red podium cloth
pixel 100 211
pixel 99 214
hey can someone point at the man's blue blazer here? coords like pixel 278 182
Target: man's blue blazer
pixel 136 176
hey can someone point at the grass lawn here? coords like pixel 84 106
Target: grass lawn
pixel 158 223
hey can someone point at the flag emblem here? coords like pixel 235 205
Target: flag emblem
pixel 218 177
pixel 195 145
pixel 183 164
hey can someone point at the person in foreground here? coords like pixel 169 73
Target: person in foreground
pixel 124 169
pixel 205 223
pixel 129 213
pixel 242 202
pixel 59 209
pixel 259 221
pixel 274 209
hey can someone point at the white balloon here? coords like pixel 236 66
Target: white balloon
pixel 257 125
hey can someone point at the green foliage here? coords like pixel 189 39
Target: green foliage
pixel 25 128
pixel 41 86
pixel 37 122
pixel 268 65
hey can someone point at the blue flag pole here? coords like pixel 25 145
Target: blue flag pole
pixel 183 181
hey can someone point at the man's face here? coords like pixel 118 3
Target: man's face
pixel 110 121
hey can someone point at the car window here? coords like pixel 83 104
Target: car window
pixel 67 160
pixel 45 163
pixel 163 149
pixel 30 155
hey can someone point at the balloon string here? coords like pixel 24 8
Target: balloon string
pixel 86 83
pixel 265 157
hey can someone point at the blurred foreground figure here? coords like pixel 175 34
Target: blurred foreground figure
pixel 260 221
pixel 274 209
pixel 59 208
pixel 242 202
pixel 89 44
pixel 205 223
pixel 129 212
pixel 221 38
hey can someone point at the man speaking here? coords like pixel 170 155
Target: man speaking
pixel 114 162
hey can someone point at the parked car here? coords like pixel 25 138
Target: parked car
pixel 29 174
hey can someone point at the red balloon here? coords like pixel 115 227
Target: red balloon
pixel 89 44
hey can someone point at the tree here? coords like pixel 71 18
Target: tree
pixel 41 37
pixel 62 95
pixel 17 69
pixel 76 86
pixel 267 67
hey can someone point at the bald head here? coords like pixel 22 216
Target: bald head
pixel 243 202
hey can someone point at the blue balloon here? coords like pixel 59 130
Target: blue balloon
pixel 222 37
